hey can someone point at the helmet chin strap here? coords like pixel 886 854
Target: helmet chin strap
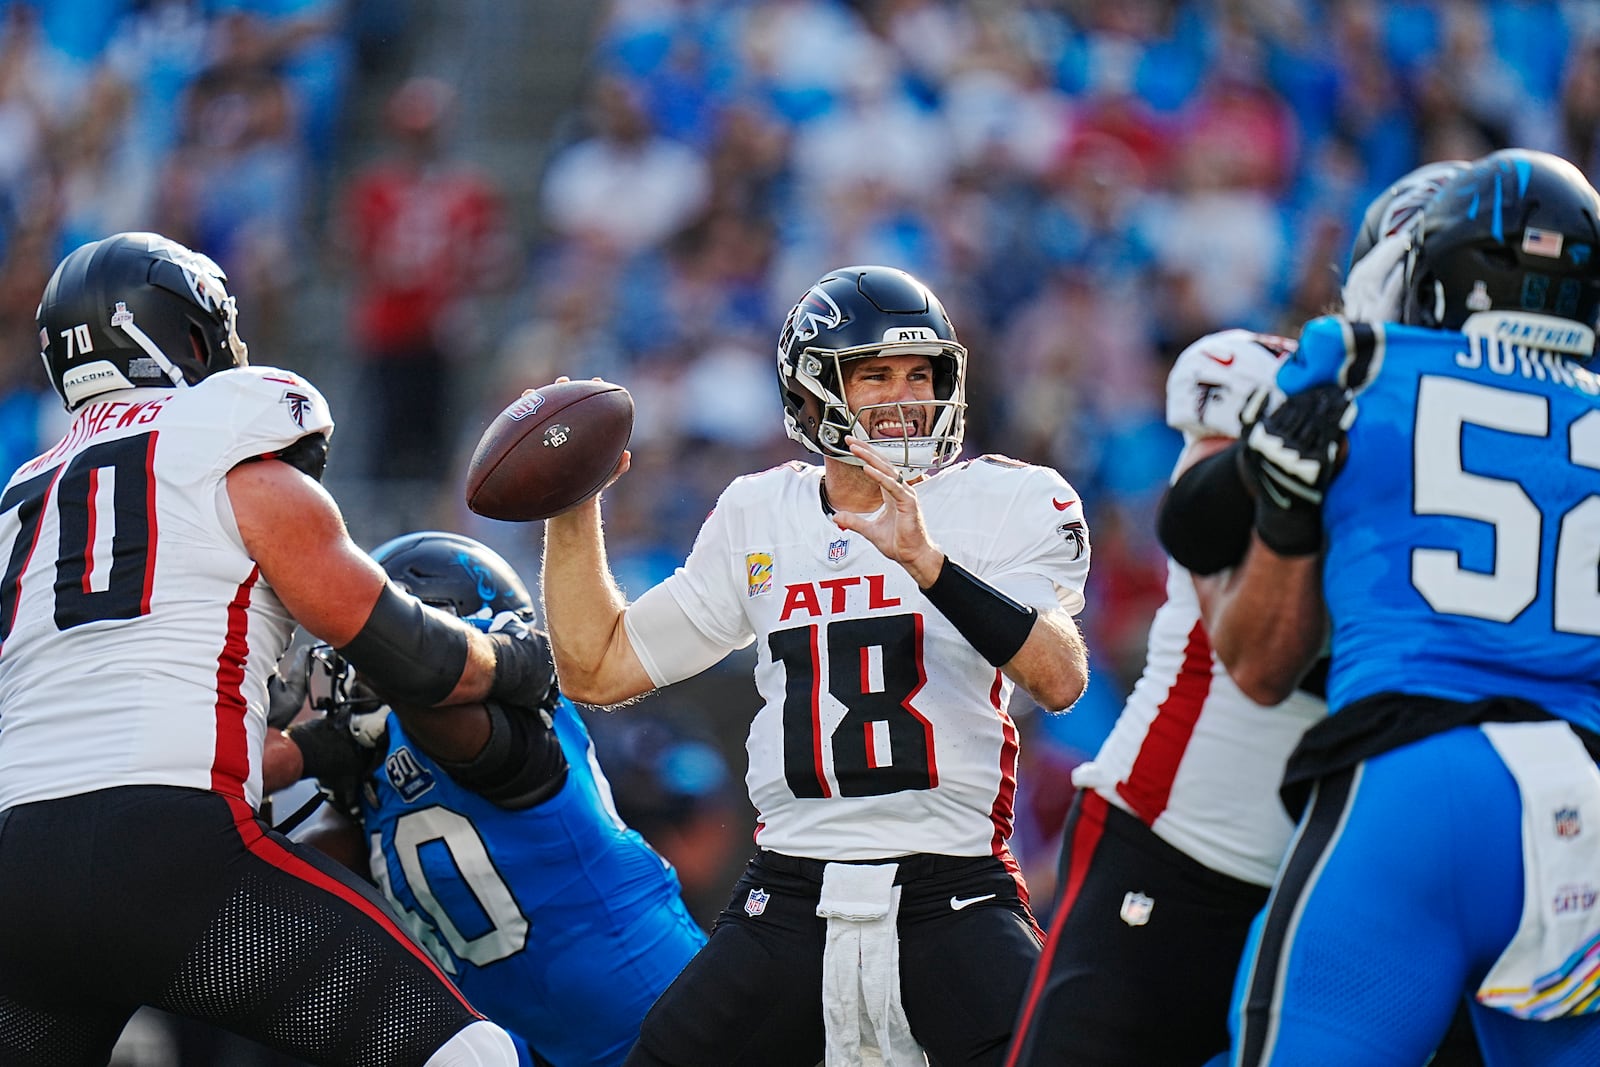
pixel 142 339
pixel 230 315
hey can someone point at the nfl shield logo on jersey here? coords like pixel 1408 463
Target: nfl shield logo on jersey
pixel 1568 822
pixel 1136 908
pixel 756 903
pixel 837 550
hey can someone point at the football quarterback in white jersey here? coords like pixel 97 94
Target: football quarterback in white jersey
pixel 897 596
pixel 156 560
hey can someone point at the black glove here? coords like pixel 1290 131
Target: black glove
pixel 331 749
pixel 1290 457
pixel 524 669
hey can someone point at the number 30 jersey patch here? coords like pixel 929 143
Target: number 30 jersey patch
pixel 136 635
pixel 882 732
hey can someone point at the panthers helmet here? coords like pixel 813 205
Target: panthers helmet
pixel 1397 206
pixel 1517 231
pixel 457 574
pixel 445 570
pixel 855 312
pixel 135 309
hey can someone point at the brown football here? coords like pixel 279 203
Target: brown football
pixel 549 450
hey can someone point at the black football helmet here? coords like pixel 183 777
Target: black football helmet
pixel 1517 231
pixel 1393 209
pixel 854 312
pixel 135 309
pixel 455 573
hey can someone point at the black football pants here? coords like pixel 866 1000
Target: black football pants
pixel 181 899
pixel 753 995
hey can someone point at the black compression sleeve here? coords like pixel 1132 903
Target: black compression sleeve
pixel 1206 515
pixel 409 652
pixel 521 765
pixel 992 622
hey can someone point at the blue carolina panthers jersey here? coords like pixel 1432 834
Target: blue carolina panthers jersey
pixel 557 921
pixel 1464 531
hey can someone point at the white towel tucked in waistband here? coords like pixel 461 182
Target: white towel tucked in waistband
pixel 1551 968
pixel 866 1024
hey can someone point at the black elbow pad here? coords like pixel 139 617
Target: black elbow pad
pixel 521 765
pixel 1206 515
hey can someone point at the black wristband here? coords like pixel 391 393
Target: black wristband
pixel 524 669
pixel 1205 517
pixel 411 653
pixel 992 622
pixel 1291 531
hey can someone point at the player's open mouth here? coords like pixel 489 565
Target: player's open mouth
pixel 895 428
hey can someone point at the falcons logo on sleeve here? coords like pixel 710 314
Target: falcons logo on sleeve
pixel 297 403
pixel 1075 535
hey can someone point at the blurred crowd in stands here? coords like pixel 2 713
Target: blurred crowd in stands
pixel 1089 186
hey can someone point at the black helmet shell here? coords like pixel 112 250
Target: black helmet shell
pixel 1517 231
pixel 455 573
pixel 135 309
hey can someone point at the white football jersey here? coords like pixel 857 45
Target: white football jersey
pixel 1191 756
pixel 136 634
pixel 882 732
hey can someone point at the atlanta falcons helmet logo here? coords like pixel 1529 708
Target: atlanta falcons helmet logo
pixel 815 312
pixel 297 403
pixel 1076 535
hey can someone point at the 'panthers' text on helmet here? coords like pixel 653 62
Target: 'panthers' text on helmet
pixel 135 309
pixel 855 312
pixel 456 574
pixel 1516 232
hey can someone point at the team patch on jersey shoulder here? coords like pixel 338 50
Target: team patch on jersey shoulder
pixel 298 404
pixel 409 778
pixel 1076 534
pixel 758 573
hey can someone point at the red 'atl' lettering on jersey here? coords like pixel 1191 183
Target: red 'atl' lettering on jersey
pixel 804 596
